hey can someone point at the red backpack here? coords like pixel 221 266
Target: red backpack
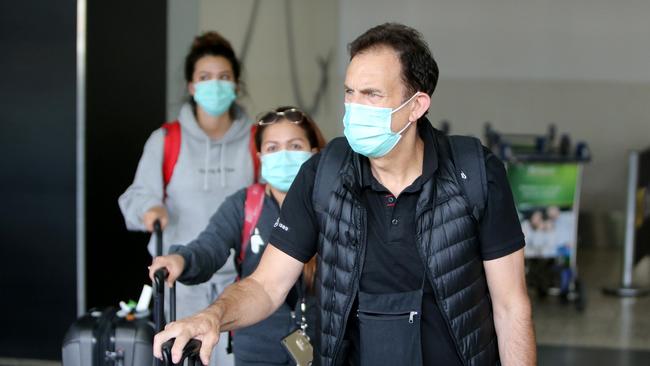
pixel 172 149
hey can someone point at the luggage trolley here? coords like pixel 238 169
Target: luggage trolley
pixel 545 176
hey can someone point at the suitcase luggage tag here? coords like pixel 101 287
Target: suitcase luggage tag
pixel 132 310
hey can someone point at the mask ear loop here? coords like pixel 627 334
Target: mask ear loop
pixel 400 107
pixel 405 103
pixel 404 129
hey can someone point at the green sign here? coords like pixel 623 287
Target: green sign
pixel 541 185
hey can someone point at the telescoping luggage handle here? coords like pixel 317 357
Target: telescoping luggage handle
pixel 159 278
pixel 157 228
pixel 191 350
pixel 159 287
pixel 159 299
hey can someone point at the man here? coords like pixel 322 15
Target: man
pixel 409 271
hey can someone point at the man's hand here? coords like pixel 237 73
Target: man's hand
pixel 203 326
pixel 153 214
pixel 241 304
pixel 174 263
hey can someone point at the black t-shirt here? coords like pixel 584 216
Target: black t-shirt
pixel 392 263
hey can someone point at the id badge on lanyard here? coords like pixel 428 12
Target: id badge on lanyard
pixel 297 343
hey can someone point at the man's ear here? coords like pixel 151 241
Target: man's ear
pixel 420 106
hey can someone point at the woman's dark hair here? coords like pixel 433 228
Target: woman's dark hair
pixel 419 68
pixel 210 44
pixel 314 135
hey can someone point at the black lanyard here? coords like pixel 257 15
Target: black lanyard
pixel 302 303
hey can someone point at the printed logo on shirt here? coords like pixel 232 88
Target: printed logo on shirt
pixel 281 225
pixel 215 171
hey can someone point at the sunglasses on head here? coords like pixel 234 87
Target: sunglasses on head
pixel 292 115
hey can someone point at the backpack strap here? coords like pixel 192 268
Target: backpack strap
pixel 469 160
pixel 467 155
pixel 253 150
pixel 171 150
pixel 327 173
pixel 252 210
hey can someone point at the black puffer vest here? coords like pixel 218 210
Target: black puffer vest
pixel 444 225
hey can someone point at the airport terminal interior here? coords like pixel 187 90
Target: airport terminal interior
pixel 558 91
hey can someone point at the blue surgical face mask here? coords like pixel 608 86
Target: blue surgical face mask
pixel 280 168
pixel 214 96
pixel 368 131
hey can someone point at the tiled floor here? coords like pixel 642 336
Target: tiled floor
pixel 608 322
pixel 560 355
pixel 610 331
pixel 15 362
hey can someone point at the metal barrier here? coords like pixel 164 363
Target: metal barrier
pixel 637 224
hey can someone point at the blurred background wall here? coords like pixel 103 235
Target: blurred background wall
pixel 267 65
pixel 580 64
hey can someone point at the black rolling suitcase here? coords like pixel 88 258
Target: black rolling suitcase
pixel 101 338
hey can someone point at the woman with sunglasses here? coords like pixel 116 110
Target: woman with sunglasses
pixel 285 138
pixel 188 167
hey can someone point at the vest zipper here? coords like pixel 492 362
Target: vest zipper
pixel 425 262
pixel 357 278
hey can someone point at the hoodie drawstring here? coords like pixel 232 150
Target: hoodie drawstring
pixel 223 166
pixel 207 164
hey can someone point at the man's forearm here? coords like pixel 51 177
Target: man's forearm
pixel 241 304
pixel 516 335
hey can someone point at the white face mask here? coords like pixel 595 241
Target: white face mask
pixel 368 131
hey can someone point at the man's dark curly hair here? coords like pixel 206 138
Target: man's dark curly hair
pixel 419 69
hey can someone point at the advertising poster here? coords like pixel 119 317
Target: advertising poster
pixel 544 194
